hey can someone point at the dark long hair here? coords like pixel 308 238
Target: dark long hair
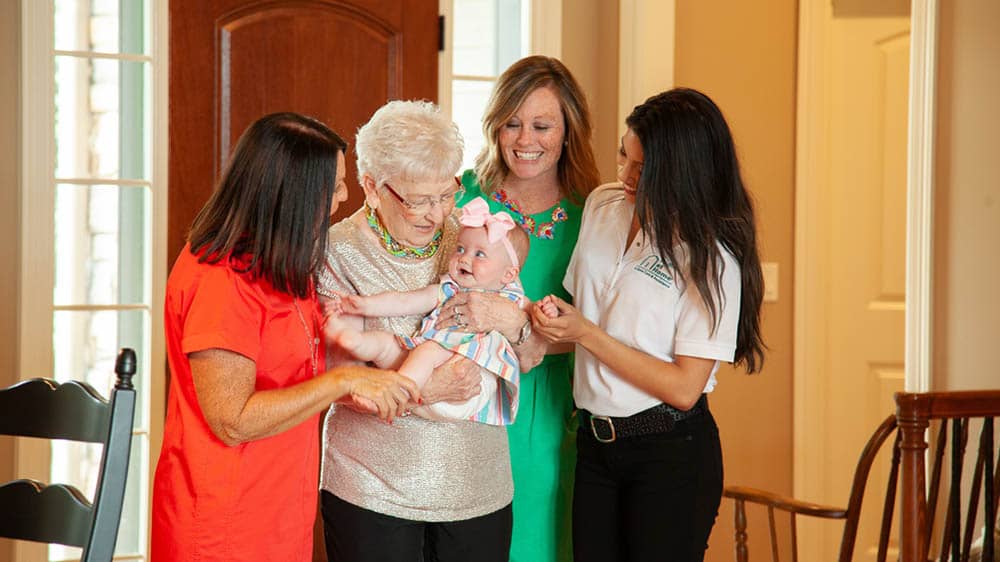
pixel 690 190
pixel 577 168
pixel 270 211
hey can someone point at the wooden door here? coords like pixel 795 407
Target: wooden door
pixel 856 364
pixel 233 61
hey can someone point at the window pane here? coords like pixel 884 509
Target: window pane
pixel 487 36
pixel 475 34
pixel 468 101
pixel 99 133
pixel 132 531
pixel 104 26
pixel 86 343
pixel 102 236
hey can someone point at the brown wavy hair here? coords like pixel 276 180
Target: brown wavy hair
pixel 577 168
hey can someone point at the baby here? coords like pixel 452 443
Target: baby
pixel 489 253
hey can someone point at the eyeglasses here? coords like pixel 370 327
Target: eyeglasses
pixel 424 205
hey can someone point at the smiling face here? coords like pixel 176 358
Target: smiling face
pixel 478 264
pixel 531 141
pixel 630 163
pixel 414 229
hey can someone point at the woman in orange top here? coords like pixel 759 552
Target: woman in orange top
pixel 238 477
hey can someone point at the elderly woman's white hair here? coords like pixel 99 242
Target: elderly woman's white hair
pixel 409 141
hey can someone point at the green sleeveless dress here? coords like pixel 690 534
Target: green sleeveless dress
pixel 543 437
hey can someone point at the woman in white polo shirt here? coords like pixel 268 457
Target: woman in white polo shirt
pixel 667 283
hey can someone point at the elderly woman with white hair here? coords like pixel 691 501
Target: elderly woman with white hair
pixel 416 489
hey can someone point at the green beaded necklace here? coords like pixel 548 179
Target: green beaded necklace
pixel 395 248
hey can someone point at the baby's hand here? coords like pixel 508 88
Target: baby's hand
pixel 353 305
pixel 332 306
pixel 344 303
pixel 548 307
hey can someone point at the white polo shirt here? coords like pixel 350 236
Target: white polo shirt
pixel 632 296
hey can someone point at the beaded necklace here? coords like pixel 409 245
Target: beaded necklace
pixel 394 247
pixel 545 230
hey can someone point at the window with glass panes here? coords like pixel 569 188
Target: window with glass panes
pixel 102 254
pixel 487 37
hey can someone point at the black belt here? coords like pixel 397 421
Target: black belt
pixel 658 419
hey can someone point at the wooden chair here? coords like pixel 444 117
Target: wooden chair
pixel 919 495
pixel 59 513
pixel 850 514
pixel 938 414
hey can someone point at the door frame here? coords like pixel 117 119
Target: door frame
pixel 812 228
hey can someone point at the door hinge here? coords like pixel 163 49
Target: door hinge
pixel 440 33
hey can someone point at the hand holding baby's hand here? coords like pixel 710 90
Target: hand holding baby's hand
pixel 548 307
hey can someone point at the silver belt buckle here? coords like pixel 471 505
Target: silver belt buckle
pixel 593 429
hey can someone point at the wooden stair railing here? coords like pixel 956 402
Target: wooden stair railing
pixel 916 414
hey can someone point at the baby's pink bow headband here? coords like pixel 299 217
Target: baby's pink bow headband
pixel 476 213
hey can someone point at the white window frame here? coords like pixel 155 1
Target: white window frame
pixel 544 27
pixel 37 269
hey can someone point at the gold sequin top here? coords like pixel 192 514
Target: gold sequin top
pixel 414 469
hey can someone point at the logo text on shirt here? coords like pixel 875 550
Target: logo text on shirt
pixel 653 267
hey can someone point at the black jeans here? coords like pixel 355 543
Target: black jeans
pixel 650 497
pixel 355 534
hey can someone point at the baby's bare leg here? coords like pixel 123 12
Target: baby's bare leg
pixel 422 360
pixel 381 348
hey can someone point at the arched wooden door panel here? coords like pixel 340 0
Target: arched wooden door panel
pixel 232 61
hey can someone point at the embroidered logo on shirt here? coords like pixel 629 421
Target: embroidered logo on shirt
pixel 653 267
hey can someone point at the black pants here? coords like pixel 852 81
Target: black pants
pixel 651 497
pixel 355 534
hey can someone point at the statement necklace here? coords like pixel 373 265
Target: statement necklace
pixel 311 339
pixel 545 230
pixel 395 248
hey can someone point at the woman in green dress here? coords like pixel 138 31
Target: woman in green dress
pixel 538 165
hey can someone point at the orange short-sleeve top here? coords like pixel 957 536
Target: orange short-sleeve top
pixel 257 500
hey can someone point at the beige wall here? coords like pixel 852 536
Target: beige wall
pixel 967 197
pixel 590 51
pixel 10 156
pixel 742 54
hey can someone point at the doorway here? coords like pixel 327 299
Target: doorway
pixel 851 232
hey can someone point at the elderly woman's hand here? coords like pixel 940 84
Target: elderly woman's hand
pixel 455 381
pixel 478 311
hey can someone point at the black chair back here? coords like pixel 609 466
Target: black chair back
pixel 60 513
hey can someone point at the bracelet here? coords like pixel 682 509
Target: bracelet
pixel 525 332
